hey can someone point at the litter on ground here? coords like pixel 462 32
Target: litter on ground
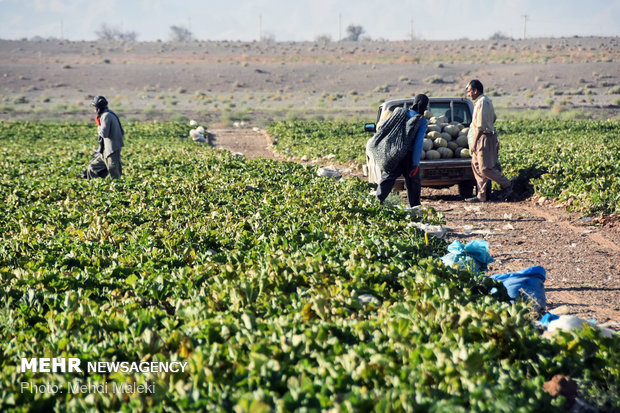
pixel 473 256
pixel 433 230
pixel 528 283
pixel 329 172
pixel 553 323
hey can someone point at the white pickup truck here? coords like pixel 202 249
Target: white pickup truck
pixel 440 173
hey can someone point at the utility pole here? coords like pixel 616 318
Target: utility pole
pixel 340 27
pixel 260 27
pixel 525 17
pixel 412 36
pixel 62 30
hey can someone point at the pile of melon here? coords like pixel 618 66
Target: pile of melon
pixel 197 134
pixel 444 140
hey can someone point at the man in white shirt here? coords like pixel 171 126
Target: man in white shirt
pixel 484 146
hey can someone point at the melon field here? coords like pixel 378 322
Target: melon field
pixel 281 290
pixel 575 162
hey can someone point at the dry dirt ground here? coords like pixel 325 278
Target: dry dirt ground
pixel 220 82
pixel 581 256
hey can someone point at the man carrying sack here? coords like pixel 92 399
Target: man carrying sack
pixel 107 159
pixel 397 147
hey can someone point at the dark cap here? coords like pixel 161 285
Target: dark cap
pixel 99 102
pixel 420 103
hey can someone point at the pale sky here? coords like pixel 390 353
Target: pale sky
pixel 288 20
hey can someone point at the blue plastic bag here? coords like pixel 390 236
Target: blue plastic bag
pixel 528 282
pixel 546 319
pixel 473 256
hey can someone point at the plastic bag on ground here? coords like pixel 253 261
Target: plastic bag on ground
pixel 472 256
pixel 569 322
pixel 528 282
pixel 329 172
pixel 546 319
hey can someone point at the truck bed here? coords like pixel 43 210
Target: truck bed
pixel 440 173
pixel 446 172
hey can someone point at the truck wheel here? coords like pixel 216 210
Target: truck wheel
pixel 466 189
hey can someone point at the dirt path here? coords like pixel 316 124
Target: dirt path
pixel 253 143
pixel 581 256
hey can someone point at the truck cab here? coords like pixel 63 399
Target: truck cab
pixel 440 173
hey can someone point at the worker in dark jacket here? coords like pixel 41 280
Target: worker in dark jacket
pixel 110 135
pixel 409 166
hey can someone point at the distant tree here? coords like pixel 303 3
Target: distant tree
pixel 112 33
pixel 499 36
pixel 128 36
pixel 180 34
pixel 323 39
pixel 268 37
pixel 106 33
pixel 354 32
